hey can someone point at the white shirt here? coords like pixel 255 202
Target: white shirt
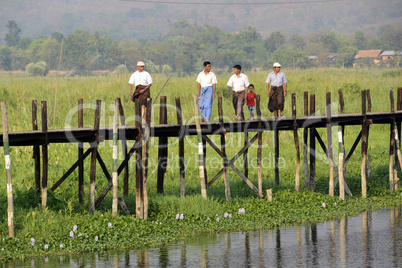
pixel 140 78
pixel 206 80
pixel 276 80
pixel 238 83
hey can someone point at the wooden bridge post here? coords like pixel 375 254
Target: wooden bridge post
pixel 329 142
pixel 36 148
pixel 80 153
pixel 200 148
pixel 312 145
pixel 44 155
pixel 10 204
pixel 364 146
pixel 139 193
pixel 162 149
pixel 124 149
pixel 398 124
pixel 305 144
pixel 146 155
pixel 341 151
pixel 259 149
pixel 245 155
pixel 115 146
pixel 296 139
pixel 93 159
pixel 276 144
pixel 223 150
pixel 181 148
pixel 392 141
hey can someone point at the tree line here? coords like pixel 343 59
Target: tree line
pixel 186 46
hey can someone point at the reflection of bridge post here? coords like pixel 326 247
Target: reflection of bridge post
pixel 366 242
pixel 247 250
pixel 183 258
pixel 299 247
pixel 332 246
pixel 142 258
pixel 261 248
pixel 342 241
pixel 314 244
pixel 278 248
pixel 227 249
pixel 204 256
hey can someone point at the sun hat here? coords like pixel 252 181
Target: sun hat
pixel 276 64
pixel 140 63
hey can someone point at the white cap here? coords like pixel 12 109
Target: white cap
pixel 276 64
pixel 140 63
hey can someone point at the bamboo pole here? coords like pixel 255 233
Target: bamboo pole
pixel 305 144
pixel 296 139
pixel 93 159
pixel 223 150
pixel 200 148
pixel 80 153
pixel 329 142
pixel 364 147
pixel 341 152
pixel 181 148
pixel 139 193
pixel 276 142
pixel 10 204
pixel 259 149
pixel 392 141
pixel 44 155
pixel 115 146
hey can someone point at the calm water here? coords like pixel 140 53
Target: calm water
pixel 373 239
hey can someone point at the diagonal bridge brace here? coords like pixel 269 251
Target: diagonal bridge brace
pixel 230 163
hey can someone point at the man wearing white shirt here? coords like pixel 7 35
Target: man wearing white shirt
pixel 206 84
pixel 239 83
pixel 142 81
pixel 278 82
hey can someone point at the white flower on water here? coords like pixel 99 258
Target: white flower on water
pixel 96 238
pixel 110 225
pixel 181 216
pixel 46 246
pixel 324 205
pixel 32 241
pixel 75 228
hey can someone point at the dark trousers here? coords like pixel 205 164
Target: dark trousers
pixel 238 101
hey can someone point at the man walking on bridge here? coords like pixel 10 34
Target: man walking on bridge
pixel 206 84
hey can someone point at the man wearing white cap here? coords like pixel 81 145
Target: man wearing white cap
pixel 278 92
pixel 142 81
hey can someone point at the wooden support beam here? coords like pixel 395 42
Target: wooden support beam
pixel 305 144
pixel 80 153
pixel 162 149
pixel 329 142
pixel 71 169
pixel 398 124
pixel 124 149
pixel 259 148
pixel 245 155
pixel 45 158
pixel 223 152
pixel 364 147
pixel 312 145
pixel 93 159
pixel 108 187
pixel 139 193
pixel 296 140
pixel 36 149
pixel 213 146
pixel 200 148
pixel 181 148
pixel 10 203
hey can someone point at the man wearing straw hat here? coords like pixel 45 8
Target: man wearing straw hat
pixel 142 81
pixel 278 92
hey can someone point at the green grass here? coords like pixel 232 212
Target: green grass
pixel 63 211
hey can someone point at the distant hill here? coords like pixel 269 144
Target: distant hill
pixel 140 20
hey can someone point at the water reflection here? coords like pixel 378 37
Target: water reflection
pixel 372 239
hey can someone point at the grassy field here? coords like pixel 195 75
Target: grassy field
pixel 63 212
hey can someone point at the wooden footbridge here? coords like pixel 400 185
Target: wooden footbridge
pixel 141 133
